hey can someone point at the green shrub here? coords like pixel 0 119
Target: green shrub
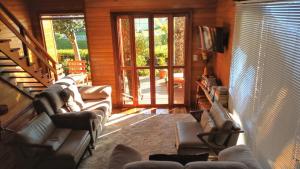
pixel 65 44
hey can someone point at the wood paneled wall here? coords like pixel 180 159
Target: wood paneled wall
pixel 20 10
pixel 98 20
pixel 225 17
pixel 38 7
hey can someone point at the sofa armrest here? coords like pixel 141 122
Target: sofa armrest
pixel 197 114
pixel 95 92
pixel 215 165
pixel 216 148
pixel 84 120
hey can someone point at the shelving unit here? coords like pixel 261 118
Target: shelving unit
pixel 201 96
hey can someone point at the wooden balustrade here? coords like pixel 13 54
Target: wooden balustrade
pixel 31 44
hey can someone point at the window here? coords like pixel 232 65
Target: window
pixel 265 78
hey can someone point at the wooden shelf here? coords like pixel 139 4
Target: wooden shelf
pixel 205 92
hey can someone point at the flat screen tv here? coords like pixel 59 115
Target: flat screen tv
pixel 212 38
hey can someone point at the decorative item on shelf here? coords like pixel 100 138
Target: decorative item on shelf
pixel 221 95
pixel 208 82
pixel 3 111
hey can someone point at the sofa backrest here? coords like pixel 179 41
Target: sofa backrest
pixel 52 102
pixel 37 131
pixel 191 165
pixel 240 153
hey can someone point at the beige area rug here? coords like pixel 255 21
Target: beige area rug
pixel 145 132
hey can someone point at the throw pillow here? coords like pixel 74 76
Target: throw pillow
pixel 204 119
pixel 182 159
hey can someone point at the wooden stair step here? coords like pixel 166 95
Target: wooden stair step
pixel 4 58
pixel 18 74
pixel 34 84
pixel 36 89
pixel 10 69
pixel 4 40
pixel 21 79
pixel 15 49
pixel 7 63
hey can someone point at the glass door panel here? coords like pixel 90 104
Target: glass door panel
pixel 124 42
pixel 179 80
pixel 161 86
pixel 161 41
pixel 143 86
pixel 152 59
pixel 127 87
pixel 179 41
pixel 141 26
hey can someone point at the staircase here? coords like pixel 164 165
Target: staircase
pixel 17 68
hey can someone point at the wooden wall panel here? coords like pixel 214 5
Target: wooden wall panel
pixel 100 34
pixel 20 10
pixel 225 17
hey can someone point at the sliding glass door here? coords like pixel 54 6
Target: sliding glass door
pixel 151 59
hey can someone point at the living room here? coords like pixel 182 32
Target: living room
pixel 126 84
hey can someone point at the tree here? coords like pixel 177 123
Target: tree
pixel 69 27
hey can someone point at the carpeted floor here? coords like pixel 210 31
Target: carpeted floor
pixel 146 132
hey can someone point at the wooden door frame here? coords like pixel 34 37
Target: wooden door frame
pixel 187 67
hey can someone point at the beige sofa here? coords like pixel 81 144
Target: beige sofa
pixel 236 157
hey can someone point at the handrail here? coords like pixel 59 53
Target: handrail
pixel 6 22
pixel 24 32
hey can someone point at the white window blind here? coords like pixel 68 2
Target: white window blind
pixel 265 79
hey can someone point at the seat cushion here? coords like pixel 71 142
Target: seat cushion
pixel 240 153
pixel 57 138
pixel 153 165
pixel 187 135
pixel 74 146
pixel 70 152
pixel 123 155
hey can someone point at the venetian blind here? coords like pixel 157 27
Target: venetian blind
pixel 265 79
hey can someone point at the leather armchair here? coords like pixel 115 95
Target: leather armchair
pixel 46 144
pixel 214 130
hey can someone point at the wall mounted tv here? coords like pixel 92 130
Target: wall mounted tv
pixel 212 39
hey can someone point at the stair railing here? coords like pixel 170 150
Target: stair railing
pixel 35 47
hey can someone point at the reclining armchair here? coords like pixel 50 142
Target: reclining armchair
pixel 215 131
pixel 63 99
pixel 49 144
